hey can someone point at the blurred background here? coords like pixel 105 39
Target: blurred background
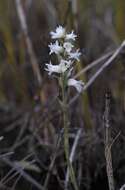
pixel 30 118
pixel 99 26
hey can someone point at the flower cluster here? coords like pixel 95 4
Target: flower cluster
pixel 63 47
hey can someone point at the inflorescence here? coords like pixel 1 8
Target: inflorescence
pixel 63 48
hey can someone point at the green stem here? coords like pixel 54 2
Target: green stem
pixel 65 119
pixel 66 132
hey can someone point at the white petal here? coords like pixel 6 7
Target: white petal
pixel 68 64
pixel 52 68
pixel 61 68
pixel 65 65
pixel 77 84
pixel 60 33
pixel 55 48
pixel 71 36
pixel 75 55
pixel 68 46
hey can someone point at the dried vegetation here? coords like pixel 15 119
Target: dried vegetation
pixel 32 153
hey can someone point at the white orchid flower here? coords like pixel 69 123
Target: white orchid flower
pixel 75 55
pixel 52 68
pixel 71 36
pixel 77 84
pixel 55 48
pixel 67 63
pixel 65 51
pixel 60 33
pixel 68 46
pixel 61 68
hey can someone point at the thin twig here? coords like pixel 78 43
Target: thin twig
pixel 108 154
pixel 6 154
pixel 122 187
pixel 21 132
pixel 72 154
pixel 16 181
pixel 100 70
pixel 53 161
pixel 51 11
pixel 30 50
pixel 94 63
pixel 6 178
pixel 116 137
pixel 23 173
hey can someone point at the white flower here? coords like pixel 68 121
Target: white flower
pixel 71 36
pixel 55 48
pixel 61 68
pixel 75 55
pixel 77 84
pixel 60 33
pixel 53 68
pixel 67 63
pixel 68 46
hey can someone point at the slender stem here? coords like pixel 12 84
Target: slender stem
pixel 66 135
pixel 24 27
pixel 65 120
pixel 72 153
pixel 108 154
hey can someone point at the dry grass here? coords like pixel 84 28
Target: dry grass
pixel 30 116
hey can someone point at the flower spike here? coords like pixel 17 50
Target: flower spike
pixel 77 84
